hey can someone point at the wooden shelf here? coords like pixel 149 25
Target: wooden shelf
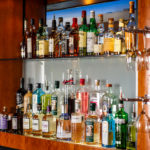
pixel 37 143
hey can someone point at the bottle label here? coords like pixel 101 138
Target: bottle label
pixel 54 105
pixel 35 124
pixel 19 98
pixel 89 131
pixel 82 39
pixel 29 45
pixel 14 123
pixel 26 123
pixel 100 40
pixel 108 44
pixel 98 48
pixel 117 46
pixel 76 119
pixel 34 102
pixel 43 47
pixel 120 121
pixel 71 45
pixel 37 48
pixel 3 122
pixel 45 126
pixel 91 39
pixel 129 40
pixel 51 45
pixel 105 132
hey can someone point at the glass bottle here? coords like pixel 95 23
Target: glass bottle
pixel 9 123
pixel 109 37
pixel 92 126
pixel 74 39
pixel 46 98
pixel 119 43
pixel 31 41
pixel 20 95
pixel 36 98
pixel 27 121
pixel 4 125
pixel 131 138
pixel 91 34
pixel 53 43
pixel 108 130
pixel 17 122
pixel 121 120
pixel 28 98
pixel 83 35
pixel 48 124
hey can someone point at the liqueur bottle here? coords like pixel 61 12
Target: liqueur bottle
pixel 91 34
pixel 92 126
pixel 4 116
pixel 9 123
pixel 121 120
pixel 74 39
pixel 108 130
pixel 83 35
pixel 36 98
pixel 109 37
pixel 31 41
pixel 20 95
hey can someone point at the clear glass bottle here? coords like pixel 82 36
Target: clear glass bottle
pixel 4 125
pixel 36 98
pixel 121 121
pixel 83 35
pixel 91 34
pixel 109 37
pixel 108 130
pixel 48 124
pixel 92 126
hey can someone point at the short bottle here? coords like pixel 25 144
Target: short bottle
pixel 4 123
pixel 9 123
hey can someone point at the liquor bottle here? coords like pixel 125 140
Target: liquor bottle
pixel 91 34
pixel 109 37
pixel 17 122
pixel 121 120
pixel 74 39
pixel 31 41
pixel 130 27
pixel 27 121
pixel 28 98
pixel 4 116
pixel 83 35
pixel 20 95
pixel 60 31
pixel 46 98
pixel 92 126
pixel 98 48
pixel 108 130
pixel 48 124
pixel 25 35
pixel 53 43
pixel 119 43
pixel 36 98
pixel 9 123
pixel 131 138
pixel 22 50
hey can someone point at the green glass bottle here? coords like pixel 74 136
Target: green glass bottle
pixel 91 34
pixel 131 138
pixel 83 35
pixel 121 120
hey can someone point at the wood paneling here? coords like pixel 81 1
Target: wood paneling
pixel 55 1
pixel 11 18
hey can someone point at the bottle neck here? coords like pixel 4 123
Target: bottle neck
pixel 83 20
pixel 74 26
pixel 110 27
pixel 61 23
pixel 92 22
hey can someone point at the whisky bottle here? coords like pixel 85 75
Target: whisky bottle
pixel 28 98
pixel 4 116
pixel 91 34
pixel 31 41
pixel 121 120
pixel 74 39
pixel 20 95
pixel 83 35
pixel 48 124
pixel 92 126
pixel 9 123
pixel 109 37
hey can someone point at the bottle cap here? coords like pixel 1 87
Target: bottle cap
pixel 92 106
pixel 74 20
pixel 68 24
pixel 60 19
pixel 30 87
pixel 108 85
pixel 4 108
pixel 82 81
pixel 57 84
pixel 83 13
pixel 92 14
pixel 38 85
pixel 32 22
pixel 97 82
pixel 131 2
pixel 100 17
pixel 121 105
pixel 110 20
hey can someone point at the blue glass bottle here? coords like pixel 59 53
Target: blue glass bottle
pixel 108 130
pixel 36 99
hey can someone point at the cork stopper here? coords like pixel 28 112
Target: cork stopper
pixel 100 17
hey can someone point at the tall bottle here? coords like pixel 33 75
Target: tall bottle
pixel 91 34
pixel 4 124
pixel 53 42
pixel 36 99
pixel 31 41
pixel 83 35
pixel 20 95
pixel 121 120
pixel 109 37
pixel 74 39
